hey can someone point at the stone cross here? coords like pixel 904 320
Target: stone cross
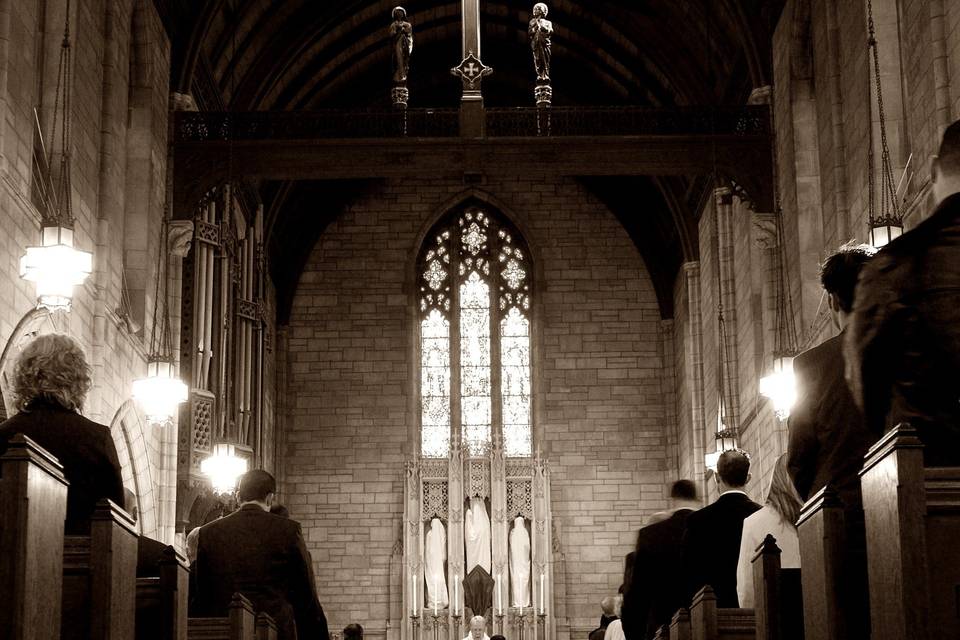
pixel 471 70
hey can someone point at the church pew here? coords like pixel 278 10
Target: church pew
pixel 778 607
pixel 162 601
pixel 33 506
pixel 240 623
pixel 913 523
pixel 99 578
pixel 707 622
pixel 822 538
pixel 266 627
pixel 679 628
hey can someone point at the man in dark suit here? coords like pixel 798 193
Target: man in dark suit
pixel 51 380
pixel 262 556
pixel 654 587
pixel 711 544
pixel 903 349
pixel 828 437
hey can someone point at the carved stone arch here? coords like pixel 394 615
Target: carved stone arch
pixel 463 199
pixel 127 429
pixel 35 322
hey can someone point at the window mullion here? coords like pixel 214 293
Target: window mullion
pixel 456 427
pixel 496 397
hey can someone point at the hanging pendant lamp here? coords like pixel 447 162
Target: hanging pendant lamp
pixel 56 266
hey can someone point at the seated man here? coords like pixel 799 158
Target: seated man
pixel 478 625
pixel 353 632
pixel 50 384
pixel 710 548
pixel 262 556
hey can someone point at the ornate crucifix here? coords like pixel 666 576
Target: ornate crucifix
pixel 471 71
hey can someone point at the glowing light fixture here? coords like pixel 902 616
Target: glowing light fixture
pixel 780 386
pixel 885 218
pixel 224 467
pixel 884 230
pixel 55 267
pixel 160 392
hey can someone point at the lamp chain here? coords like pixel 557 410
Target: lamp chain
pixel 889 209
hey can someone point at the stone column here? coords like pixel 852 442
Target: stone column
pixel 694 370
pixel 729 375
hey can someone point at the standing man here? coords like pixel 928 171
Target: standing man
pixel 653 587
pixel 828 437
pixel 478 629
pixel 903 349
pixel 711 544
pixel 261 555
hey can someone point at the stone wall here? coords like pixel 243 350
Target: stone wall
pixel 600 416
pixel 105 35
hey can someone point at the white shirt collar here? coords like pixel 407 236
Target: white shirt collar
pixel 734 491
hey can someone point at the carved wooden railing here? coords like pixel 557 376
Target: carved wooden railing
pixel 745 121
pixel 211 126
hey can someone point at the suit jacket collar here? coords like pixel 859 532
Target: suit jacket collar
pixel 251 507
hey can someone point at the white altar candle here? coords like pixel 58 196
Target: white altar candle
pixel 413 605
pixel 499 596
pixel 542 599
pixel 456 600
pixel 435 588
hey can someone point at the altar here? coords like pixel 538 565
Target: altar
pixel 506 576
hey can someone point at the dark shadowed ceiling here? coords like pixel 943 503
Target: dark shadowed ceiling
pixel 251 55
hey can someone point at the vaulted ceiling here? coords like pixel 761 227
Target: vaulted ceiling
pixel 252 55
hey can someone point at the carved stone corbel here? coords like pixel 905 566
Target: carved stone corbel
pixel 179 237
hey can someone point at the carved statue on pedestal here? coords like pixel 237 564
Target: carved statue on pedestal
pixel 540 30
pixel 402 33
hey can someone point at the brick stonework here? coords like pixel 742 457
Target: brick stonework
pixel 600 413
pixel 101 89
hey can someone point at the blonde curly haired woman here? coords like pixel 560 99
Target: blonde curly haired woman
pixel 50 383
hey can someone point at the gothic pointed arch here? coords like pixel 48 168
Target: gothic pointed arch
pixel 474 301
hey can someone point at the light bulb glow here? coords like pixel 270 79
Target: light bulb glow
pixel 223 468
pixel 56 267
pixel 780 386
pixel 710 460
pixel 883 232
pixel 160 392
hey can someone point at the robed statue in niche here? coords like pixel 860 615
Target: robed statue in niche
pixel 402 33
pixel 477 535
pixel 519 564
pixel 435 558
pixel 540 30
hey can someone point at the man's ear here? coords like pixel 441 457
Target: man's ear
pixel 832 303
pixel 749 475
pixel 934 168
pixel 270 498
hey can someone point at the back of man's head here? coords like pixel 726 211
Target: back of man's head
pixel 949 152
pixel 256 485
pixel 733 468
pixel 946 166
pixel 683 491
pixel 839 272
pixel 353 632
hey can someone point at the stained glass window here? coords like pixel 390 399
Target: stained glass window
pixel 475 302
